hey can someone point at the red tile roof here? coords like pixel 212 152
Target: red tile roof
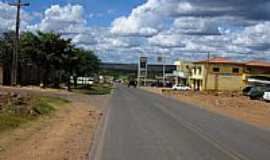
pixel 219 60
pixel 224 60
pixel 258 63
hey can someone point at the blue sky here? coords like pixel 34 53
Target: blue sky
pixel 122 30
pixel 98 12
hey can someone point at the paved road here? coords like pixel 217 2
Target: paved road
pixel 145 126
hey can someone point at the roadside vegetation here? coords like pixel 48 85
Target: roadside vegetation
pixel 96 89
pixel 46 58
pixel 18 111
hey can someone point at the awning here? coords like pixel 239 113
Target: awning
pixel 253 80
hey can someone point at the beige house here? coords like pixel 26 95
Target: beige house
pixel 218 74
pixel 221 73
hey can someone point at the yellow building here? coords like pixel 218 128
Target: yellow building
pixel 183 72
pixel 218 74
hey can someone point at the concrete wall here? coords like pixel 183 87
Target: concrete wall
pixel 225 79
pixel 225 82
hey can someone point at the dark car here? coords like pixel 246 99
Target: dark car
pixel 132 84
pixel 246 90
pixel 257 92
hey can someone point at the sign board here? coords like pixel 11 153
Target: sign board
pixel 143 62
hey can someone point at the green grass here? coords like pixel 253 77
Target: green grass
pixel 9 121
pixel 41 106
pixel 96 89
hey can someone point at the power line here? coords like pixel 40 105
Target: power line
pixel 19 5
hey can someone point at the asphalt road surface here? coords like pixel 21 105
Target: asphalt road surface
pixel 146 126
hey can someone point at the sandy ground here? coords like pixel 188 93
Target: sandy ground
pixel 65 135
pixel 254 112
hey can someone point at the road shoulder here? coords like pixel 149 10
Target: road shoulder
pixel 256 113
pixel 67 134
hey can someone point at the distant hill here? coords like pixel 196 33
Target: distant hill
pixel 157 68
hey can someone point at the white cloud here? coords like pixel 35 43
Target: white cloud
pixel 143 21
pixel 69 18
pixel 8 17
pixel 167 40
pixel 177 28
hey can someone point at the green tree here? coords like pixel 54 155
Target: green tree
pixel 6 51
pixel 46 51
pixel 50 54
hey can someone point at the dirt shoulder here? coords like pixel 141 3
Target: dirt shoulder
pixel 229 104
pixel 65 135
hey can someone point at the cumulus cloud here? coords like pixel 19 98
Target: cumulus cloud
pixel 143 21
pixel 8 17
pixel 180 28
pixel 69 18
pixel 235 28
pixel 167 41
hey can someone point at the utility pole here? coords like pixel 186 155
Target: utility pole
pixel 207 71
pixel 14 69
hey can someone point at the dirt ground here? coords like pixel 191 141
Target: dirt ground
pixel 234 105
pixel 65 135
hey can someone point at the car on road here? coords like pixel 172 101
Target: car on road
pixel 132 83
pixel 257 92
pixel 266 96
pixel 181 87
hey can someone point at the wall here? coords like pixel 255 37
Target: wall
pixel 225 82
pixel 225 79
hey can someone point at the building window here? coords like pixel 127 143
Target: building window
pixel 199 70
pixel 235 70
pixel 216 69
pixel 249 70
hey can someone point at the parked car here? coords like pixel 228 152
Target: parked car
pixel 257 92
pixel 181 87
pixel 266 96
pixel 246 90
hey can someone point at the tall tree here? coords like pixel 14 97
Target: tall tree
pixel 50 54
pixel 46 51
pixel 6 46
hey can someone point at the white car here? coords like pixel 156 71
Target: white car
pixel 181 87
pixel 266 96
